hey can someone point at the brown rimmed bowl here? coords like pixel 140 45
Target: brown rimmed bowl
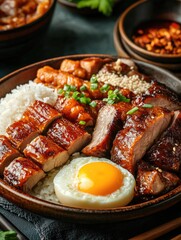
pixel 149 10
pixel 80 215
pixel 17 41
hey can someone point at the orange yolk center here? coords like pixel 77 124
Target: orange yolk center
pixel 99 178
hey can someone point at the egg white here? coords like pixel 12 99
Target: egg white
pixel 65 183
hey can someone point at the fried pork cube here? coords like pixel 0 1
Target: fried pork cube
pixel 58 79
pixel 22 173
pixel 107 125
pixel 22 132
pixel 166 152
pixel 41 115
pixel 152 181
pixel 73 110
pixel 141 129
pixel 7 153
pixel 159 95
pixel 68 135
pixel 46 153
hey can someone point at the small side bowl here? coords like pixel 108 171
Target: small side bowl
pixel 143 11
pixel 14 42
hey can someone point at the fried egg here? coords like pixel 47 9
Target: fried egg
pixel 90 182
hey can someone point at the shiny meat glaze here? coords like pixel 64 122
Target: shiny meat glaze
pixel 41 115
pixel 23 174
pixel 21 132
pixel 73 110
pixel 140 131
pixel 7 153
pixel 46 153
pixel 166 152
pixel 107 125
pixel 68 135
pixel 151 181
pixel 159 95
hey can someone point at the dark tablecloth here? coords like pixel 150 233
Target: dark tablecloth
pixel 71 33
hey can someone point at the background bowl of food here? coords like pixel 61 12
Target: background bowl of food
pixel 71 111
pixel 152 30
pixel 22 24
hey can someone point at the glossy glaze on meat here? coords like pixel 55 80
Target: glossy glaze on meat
pixel 68 135
pixel 166 152
pixel 23 174
pixel 47 154
pixel 7 153
pixel 141 129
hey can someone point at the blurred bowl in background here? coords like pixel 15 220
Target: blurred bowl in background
pixel 16 41
pixel 145 11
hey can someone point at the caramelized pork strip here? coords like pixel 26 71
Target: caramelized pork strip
pixel 46 153
pixel 57 79
pixel 41 115
pixel 22 173
pixel 22 132
pixel 107 125
pixel 73 110
pixel 152 181
pixel 159 95
pixel 68 135
pixel 7 153
pixel 141 129
pixel 166 152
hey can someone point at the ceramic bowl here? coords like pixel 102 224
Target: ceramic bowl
pixel 16 41
pixel 81 215
pixel 149 10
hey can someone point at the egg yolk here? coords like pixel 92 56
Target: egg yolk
pixel 99 178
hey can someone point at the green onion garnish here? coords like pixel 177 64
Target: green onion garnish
pixel 105 88
pixel 66 87
pixel 61 91
pixel 133 110
pixel 84 100
pixel 115 96
pixel 73 88
pixel 83 88
pixel 93 79
pixel 147 105
pixel 75 95
pixel 94 86
pixel 8 235
pixel 82 122
pixel 93 104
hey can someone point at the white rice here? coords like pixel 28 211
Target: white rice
pixel 15 103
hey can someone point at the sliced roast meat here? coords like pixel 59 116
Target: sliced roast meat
pixel 166 152
pixel 159 95
pixel 22 132
pixel 140 131
pixel 22 173
pixel 68 135
pixel 74 111
pixel 107 125
pixel 41 114
pixel 152 181
pixel 46 153
pixel 7 153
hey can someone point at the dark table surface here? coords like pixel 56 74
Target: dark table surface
pixel 71 33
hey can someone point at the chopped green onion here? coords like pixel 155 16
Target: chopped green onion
pixel 94 86
pixel 105 88
pixel 133 110
pixel 147 105
pixel 67 94
pixel 110 101
pixel 93 79
pixel 66 87
pixel 115 96
pixel 84 100
pixel 75 95
pixel 61 91
pixel 82 122
pixel 83 88
pixel 8 235
pixel 73 88
pixel 93 104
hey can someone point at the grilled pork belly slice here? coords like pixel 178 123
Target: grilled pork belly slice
pixel 107 125
pixel 152 181
pixel 159 95
pixel 7 153
pixel 141 129
pixel 22 173
pixel 41 114
pixel 166 152
pixel 68 135
pixel 73 110
pixel 22 132
pixel 46 153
